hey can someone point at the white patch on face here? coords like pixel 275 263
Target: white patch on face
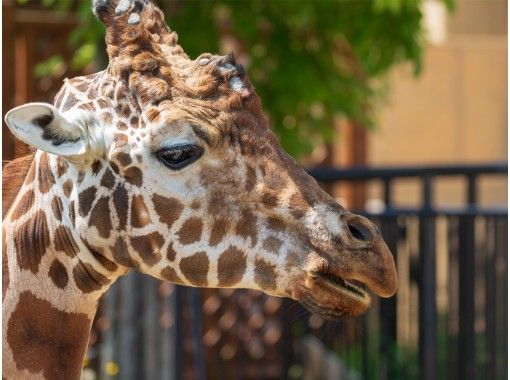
pixel 226 67
pixel 203 61
pixel 236 84
pixel 313 221
pixel 332 222
pixel 122 7
pixel 134 18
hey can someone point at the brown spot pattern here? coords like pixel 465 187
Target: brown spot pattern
pixel 85 199
pixel 251 178
pixel 120 201
pixel 96 167
pixel 218 231
pixel 23 205
pixel 114 167
pixel 63 241
pixel 169 274
pixel 120 254
pixel 36 344
pixel 231 267
pixel 140 216
pixel 72 212
pixel 269 200
pixel 265 275
pixel 108 179
pixel 272 244
pixel 298 206
pixel 134 176
pixel 247 226
pixel 100 217
pixel 68 188
pixel 191 231
pixel 31 241
pixel 56 205
pixel 100 257
pixel 217 204
pixel 121 126
pixel 58 274
pixel 46 178
pixel 170 253
pixel 276 224
pixel 87 279
pixel 168 209
pixel 123 158
pixel 62 166
pixel 195 268
pixel 106 118
pixel 81 176
pixel 148 247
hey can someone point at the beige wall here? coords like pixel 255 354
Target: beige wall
pixel 456 111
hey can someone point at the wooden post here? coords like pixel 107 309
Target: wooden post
pixel 8 78
pixel 350 150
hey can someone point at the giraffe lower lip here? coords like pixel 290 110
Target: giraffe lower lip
pixel 333 297
pixel 352 287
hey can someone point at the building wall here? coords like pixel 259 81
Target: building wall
pixel 456 111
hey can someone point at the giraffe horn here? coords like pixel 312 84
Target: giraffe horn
pixel 135 26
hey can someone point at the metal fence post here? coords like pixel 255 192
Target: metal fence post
pixel 427 286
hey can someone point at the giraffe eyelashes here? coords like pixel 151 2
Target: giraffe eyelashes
pixel 177 157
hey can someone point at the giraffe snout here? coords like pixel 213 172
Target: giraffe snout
pixel 369 258
pixel 358 253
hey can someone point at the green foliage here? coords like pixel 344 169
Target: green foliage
pixel 309 60
pixel 48 67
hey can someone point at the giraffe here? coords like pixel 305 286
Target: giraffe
pixel 165 165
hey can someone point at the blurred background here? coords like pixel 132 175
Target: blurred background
pixel 399 109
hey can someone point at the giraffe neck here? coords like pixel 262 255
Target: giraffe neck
pixel 51 281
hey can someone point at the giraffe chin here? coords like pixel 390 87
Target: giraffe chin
pixel 333 297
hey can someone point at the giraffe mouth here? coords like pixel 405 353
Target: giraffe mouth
pixel 332 296
pixel 352 287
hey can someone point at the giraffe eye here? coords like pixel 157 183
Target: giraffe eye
pixel 179 156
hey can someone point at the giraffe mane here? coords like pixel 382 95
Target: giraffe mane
pixel 13 176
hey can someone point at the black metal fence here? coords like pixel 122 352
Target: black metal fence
pixel 448 320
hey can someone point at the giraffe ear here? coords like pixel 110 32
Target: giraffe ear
pixel 44 127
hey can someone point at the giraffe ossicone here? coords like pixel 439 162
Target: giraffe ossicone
pixel 166 165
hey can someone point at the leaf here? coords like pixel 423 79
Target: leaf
pixel 49 66
pixel 83 56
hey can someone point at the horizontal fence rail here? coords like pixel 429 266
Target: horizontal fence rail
pixel 448 319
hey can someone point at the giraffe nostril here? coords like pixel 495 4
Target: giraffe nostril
pixel 359 232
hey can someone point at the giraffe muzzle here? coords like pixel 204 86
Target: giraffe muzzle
pixel 341 276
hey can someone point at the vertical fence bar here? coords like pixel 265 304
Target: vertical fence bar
pixel 502 296
pixel 388 308
pixel 427 285
pixel 387 196
pixel 453 296
pixel 195 296
pixel 365 366
pixel 172 341
pixel 490 299
pixel 151 363
pixel 466 339
pixel 130 352
pixel 472 194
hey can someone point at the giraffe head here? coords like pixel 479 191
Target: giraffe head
pixel 167 165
